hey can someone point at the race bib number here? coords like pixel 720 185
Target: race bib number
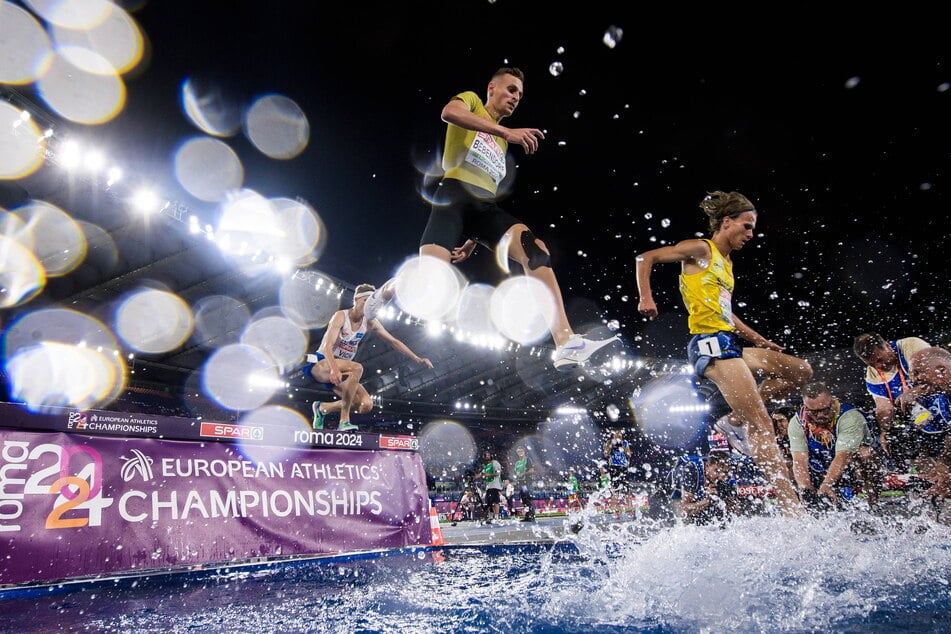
pixel 710 346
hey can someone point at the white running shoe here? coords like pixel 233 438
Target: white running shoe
pixel 577 350
pixel 736 436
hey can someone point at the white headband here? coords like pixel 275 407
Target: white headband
pixel 357 296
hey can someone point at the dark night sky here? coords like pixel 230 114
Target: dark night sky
pixel 851 177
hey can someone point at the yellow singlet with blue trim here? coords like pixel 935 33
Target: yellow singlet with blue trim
pixel 708 295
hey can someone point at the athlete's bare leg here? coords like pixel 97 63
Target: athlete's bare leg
pixel 739 389
pixel 781 373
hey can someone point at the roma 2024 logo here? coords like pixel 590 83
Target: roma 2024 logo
pixel 73 473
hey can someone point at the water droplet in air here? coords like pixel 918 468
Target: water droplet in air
pixel 612 36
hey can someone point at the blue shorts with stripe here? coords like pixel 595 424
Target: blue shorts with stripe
pixel 307 367
pixel 704 349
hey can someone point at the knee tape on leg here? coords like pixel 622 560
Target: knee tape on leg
pixel 536 255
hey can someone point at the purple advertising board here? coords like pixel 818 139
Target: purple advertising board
pixel 74 505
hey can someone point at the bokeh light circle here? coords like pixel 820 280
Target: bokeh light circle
pixel 22 146
pixel 309 302
pixel 208 169
pixel 21 276
pixel 116 39
pixel 59 243
pixel 153 321
pixel 474 314
pixel 279 337
pixel 73 14
pixel 60 357
pixel 277 127
pixel 302 232
pixel 209 109
pixel 428 288
pixel 670 412
pixel 570 440
pixel 239 377
pixel 522 309
pixel 446 446
pixel 219 320
pixel 24 46
pixel 79 95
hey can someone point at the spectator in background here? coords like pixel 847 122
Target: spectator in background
pixel 781 417
pixel 931 371
pixel 829 441
pixel 887 375
pixel 524 472
pixel 706 493
pixel 509 491
pixel 574 490
pixel 617 451
pixel 492 475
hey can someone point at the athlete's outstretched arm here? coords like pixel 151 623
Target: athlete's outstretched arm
pixel 687 251
pixel 458 114
pixel 396 344
pixel 754 337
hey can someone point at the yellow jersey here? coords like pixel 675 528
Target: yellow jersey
pixel 708 295
pixel 476 158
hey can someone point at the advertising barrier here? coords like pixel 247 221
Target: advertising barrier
pixel 73 505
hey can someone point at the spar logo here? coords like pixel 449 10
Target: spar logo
pixel 399 442
pixel 139 464
pixel 77 420
pixel 237 432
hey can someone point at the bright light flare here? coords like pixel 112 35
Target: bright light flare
pixel 146 201
pixel 428 288
pixel 522 309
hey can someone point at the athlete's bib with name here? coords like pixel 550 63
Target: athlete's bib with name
pixel 488 156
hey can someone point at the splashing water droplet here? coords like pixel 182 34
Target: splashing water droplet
pixel 614 324
pixel 612 36
pixel 665 222
pixel 556 69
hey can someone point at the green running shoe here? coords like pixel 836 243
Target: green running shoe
pixel 318 422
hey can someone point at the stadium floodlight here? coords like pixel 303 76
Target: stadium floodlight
pixel 94 160
pixel 569 410
pixel 70 154
pixel 146 201
pixel 113 176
